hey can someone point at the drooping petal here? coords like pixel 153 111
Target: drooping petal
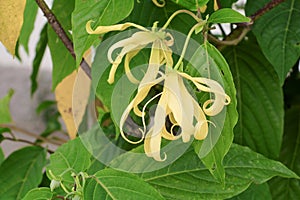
pixel 135 43
pixel 151 73
pixel 106 29
pixel 189 100
pixel 153 137
pixel 180 105
pixel 212 106
pixel 201 129
pixel 140 96
pixel 138 40
pixel 129 75
pixel 152 146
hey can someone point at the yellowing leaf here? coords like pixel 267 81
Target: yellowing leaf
pixel 11 20
pixel 72 97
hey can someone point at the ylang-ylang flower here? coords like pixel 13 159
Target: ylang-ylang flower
pixel 175 103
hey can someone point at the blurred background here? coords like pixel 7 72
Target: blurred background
pixel 15 74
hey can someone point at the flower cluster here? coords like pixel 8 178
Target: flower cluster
pixel 175 102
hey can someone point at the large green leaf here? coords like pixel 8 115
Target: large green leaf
pixel 260 99
pixel 63 62
pixel 188 178
pixel 289 188
pixel 103 12
pixel 21 171
pixel 28 23
pixel 39 54
pixel 112 184
pixel 69 158
pixel 278 34
pixel 39 194
pixel 255 191
pixel 216 145
pixel 4 108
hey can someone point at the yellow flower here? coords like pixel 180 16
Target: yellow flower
pixel 177 104
pixel 131 46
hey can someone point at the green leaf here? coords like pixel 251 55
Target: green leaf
pixel 260 99
pixel 188 178
pixel 112 184
pixel 191 4
pixel 68 158
pixel 21 171
pixel 39 194
pixel 255 191
pixel 103 12
pixel 213 149
pixel 63 62
pixel 227 15
pixel 278 34
pixel 289 188
pixel 28 23
pixel 39 54
pixel 4 108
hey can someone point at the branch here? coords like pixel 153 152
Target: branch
pixel 62 34
pixel 25 141
pixel 26 132
pixel 265 9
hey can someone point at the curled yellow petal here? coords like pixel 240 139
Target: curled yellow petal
pixel 212 106
pixel 106 29
pixel 128 57
pixel 201 129
pixel 162 4
pixel 152 146
pixel 153 137
pixel 140 96
pixel 169 136
pixel 133 44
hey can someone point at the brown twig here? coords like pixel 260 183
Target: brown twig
pixel 25 141
pixel 26 132
pixel 265 9
pixel 62 34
